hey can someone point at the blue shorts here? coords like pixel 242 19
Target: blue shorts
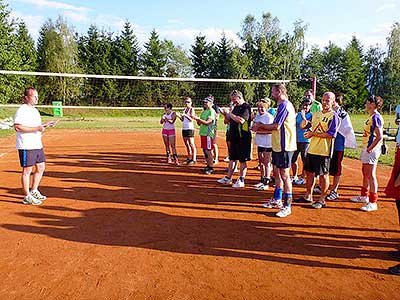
pixel 283 159
pixel 29 158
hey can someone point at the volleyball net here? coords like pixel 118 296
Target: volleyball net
pixel 125 91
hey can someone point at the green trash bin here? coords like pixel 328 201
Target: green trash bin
pixel 57 108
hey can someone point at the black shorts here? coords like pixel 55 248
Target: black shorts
pixel 317 164
pixel 283 159
pixel 335 167
pixel 29 158
pixel 188 133
pixel 227 136
pixel 302 148
pixel 263 149
pixel 240 150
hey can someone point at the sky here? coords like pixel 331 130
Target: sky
pixel 181 21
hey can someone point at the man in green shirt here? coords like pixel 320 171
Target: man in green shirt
pixel 207 121
pixel 315 105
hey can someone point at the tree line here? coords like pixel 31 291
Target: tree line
pixel 265 53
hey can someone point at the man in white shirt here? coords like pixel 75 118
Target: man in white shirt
pixel 29 127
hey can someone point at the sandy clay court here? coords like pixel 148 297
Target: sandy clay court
pixel 119 223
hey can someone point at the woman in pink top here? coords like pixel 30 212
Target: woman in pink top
pixel 168 133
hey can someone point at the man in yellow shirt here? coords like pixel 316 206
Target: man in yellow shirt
pixel 323 130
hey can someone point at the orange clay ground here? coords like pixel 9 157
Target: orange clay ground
pixel 119 223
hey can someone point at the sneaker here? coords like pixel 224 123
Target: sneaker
pixel 169 160
pixel 191 162
pixel 284 212
pixel 208 171
pixel 370 207
pixel 299 181
pixel 394 270
pixel 302 199
pixel 31 200
pixel 226 159
pixel 318 205
pixel 238 184
pixel 215 162
pixel 258 184
pixel 273 203
pixel 317 190
pixel 333 195
pixel 360 199
pixel 225 180
pixel 36 194
pixel 262 187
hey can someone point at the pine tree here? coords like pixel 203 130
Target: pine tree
pixel 199 58
pixel 392 67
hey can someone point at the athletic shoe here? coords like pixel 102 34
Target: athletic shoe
pixel 36 194
pixel 169 160
pixel 258 184
pixel 31 200
pixel 318 205
pixel 302 199
pixel 333 195
pixel 394 270
pixel 238 184
pixel 370 207
pixel 360 199
pixel 225 180
pixel 284 212
pixel 226 159
pixel 299 181
pixel 317 190
pixel 215 162
pixel 262 187
pixel 208 171
pixel 273 203
pixel 191 162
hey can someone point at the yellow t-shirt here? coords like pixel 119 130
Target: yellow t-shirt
pixel 374 121
pixel 284 139
pixel 323 123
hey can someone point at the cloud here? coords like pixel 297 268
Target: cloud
pixel 110 22
pixel 33 23
pixel 54 5
pixel 385 6
pixel 76 17
pixel 186 36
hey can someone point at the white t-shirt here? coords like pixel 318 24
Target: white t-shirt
pixel 28 116
pixel 263 140
pixel 186 123
pixel 398 129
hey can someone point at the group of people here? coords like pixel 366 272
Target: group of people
pixel 319 132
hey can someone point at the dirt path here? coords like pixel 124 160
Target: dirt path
pixel 121 224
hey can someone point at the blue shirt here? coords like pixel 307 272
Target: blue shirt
pixel 300 132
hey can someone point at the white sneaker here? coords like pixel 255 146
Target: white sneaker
pixel 299 181
pixel 284 212
pixel 273 203
pixel 225 180
pixel 360 199
pixel 38 195
pixel 262 187
pixel 238 184
pixel 258 184
pixel 370 207
pixel 31 200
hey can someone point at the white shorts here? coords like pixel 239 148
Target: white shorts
pixel 370 158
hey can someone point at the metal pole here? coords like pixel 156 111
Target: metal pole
pixel 314 86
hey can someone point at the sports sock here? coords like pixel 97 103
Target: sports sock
pixel 278 194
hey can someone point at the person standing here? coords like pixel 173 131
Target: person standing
pixel 206 121
pixel 345 138
pixel 188 131
pixel 263 141
pixel 315 105
pixel 240 138
pixel 392 190
pixel 302 143
pixel 29 128
pixel 168 133
pixel 372 142
pixel 324 127
pixel 283 146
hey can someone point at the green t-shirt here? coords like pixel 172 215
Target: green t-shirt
pixel 208 130
pixel 316 106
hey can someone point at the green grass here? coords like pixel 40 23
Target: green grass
pixel 104 120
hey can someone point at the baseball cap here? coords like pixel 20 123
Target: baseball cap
pixel 209 99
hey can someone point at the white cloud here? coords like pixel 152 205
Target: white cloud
pixel 385 6
pixel 33 23
pixel 54 5
pixel 186 37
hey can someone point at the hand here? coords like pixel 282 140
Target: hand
pixel 255 126
pixel 308 134
pixel 303 114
